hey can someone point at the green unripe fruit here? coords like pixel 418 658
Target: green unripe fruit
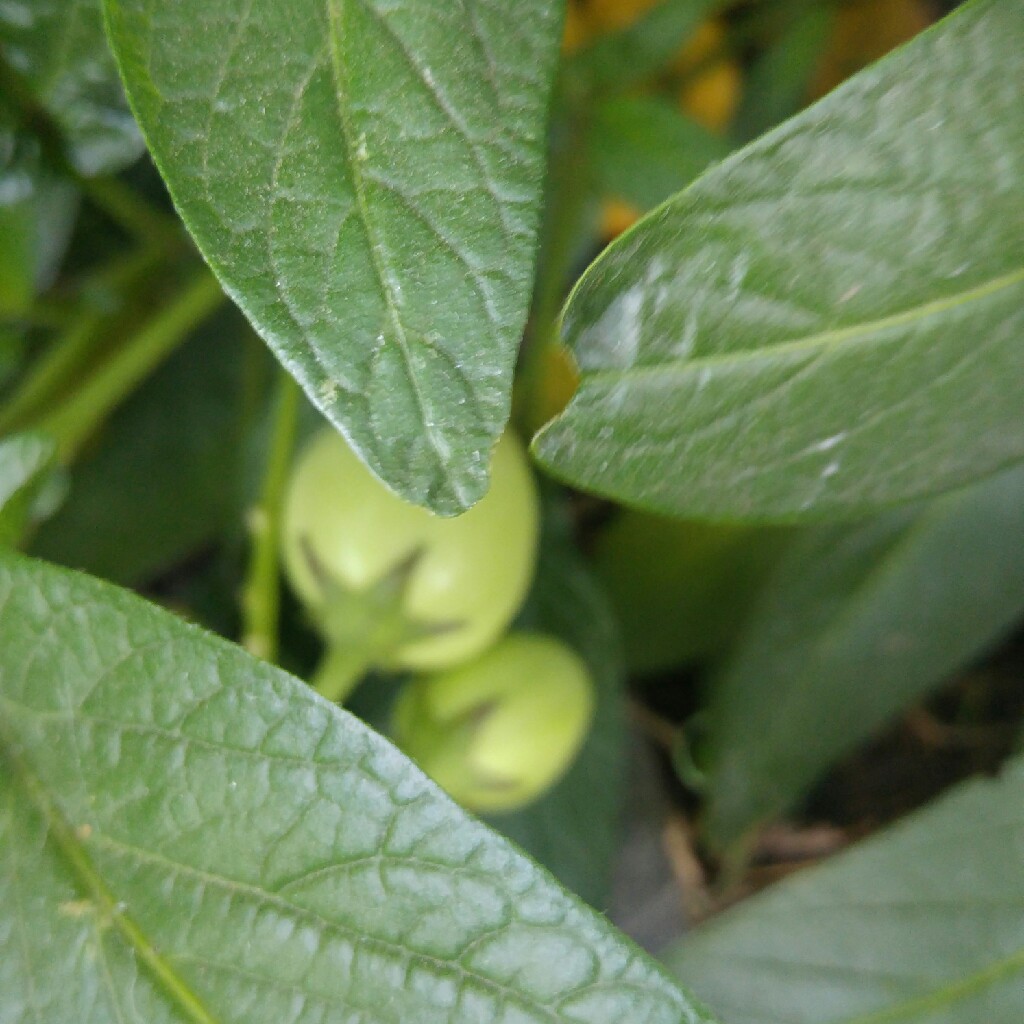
pixel 500 730
pixel 441 590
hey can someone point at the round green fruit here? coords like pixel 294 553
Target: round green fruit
pixel 417 590
pixel 500 730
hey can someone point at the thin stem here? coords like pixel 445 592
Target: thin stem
pixel 76 418
pixel 66 360
pixel 342 669
pixel 261 597
pixel 126 208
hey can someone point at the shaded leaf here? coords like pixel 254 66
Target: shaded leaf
pixel 34 233
pixel 24 462
pixel 680 590
pixel 644 149
pixel 59 50
pixel 779 77
pixel 614 62
pixel 192 835
pixel 165 476
pixel 829 321
pixel 921 924
pixel 364 178
pixel 856 623
pixel 574 829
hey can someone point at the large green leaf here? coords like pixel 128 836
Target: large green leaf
pixel 923 924
pixel 59 51
pixel 830 321
pixel 856 623
pixel 190 835
pixel 25 460
pixel 364 177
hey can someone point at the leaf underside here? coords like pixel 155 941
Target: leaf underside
pixel 920 925
pixel 857 623
pixel 829 322
pixel 189 835
pixel 364 177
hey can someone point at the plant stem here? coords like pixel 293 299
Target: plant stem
pixel 261 589
pixel 65 362
pixel 340 672
pixel 126 208
pixel 71 422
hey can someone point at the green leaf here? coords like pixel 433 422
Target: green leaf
pixel 615 62
pixel 779 78
pixel 680 590
pixel 644 149
pixel 921 924
pixel 165 475
pixel 24 461
pixel 857 623
pixel 58 50
pixel 364 178
pixel 574 829
pixel 191 835
pixel 829 321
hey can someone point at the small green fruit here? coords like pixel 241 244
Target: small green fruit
pixel 499 731
pixel 408 588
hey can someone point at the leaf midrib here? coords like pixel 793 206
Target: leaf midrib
pixel 91 883
pixel 374 244
pixel 821 341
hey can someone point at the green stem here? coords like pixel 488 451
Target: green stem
pixel 67 359
pixel 340 671
pixel 126 208
pixel 261 596
pixel 76 418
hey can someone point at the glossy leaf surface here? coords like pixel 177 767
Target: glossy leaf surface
pixel 364 177
pixel 856 623
pixel 190 835
pixel 829 321
pixel 919 925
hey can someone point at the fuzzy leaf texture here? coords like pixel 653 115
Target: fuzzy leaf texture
pixel 190 835
pixel 364 176
pixel 919 925
pixel 829 321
